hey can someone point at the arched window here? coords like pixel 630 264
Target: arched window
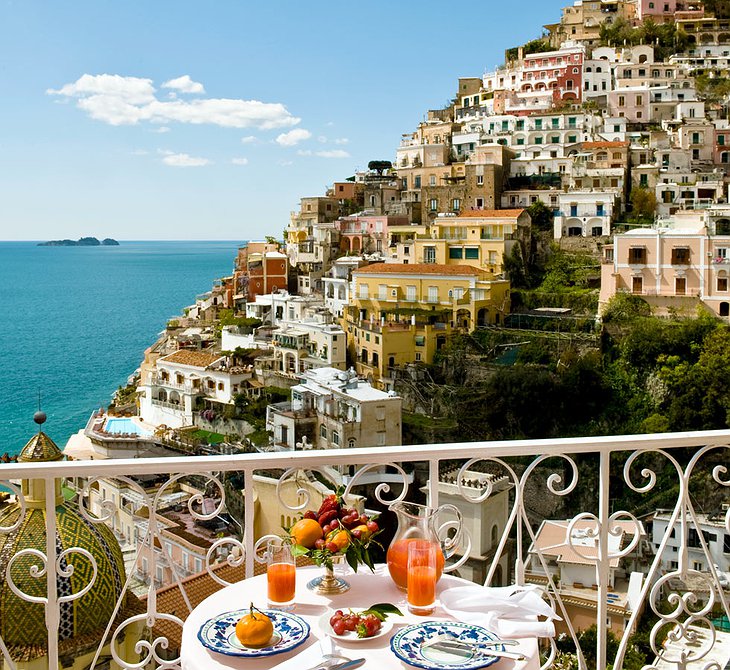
pixel 351 443
pixel 495 535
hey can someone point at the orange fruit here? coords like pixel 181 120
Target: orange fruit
pixel 364 532
pixel 306 532
pixel 255 629
pixel 340 538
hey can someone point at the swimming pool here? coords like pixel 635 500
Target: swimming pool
pixel 118 426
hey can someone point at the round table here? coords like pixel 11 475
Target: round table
pixel 366 589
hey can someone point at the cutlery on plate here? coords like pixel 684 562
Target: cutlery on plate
pixel 454 646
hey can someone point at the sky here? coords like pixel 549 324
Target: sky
pixel 209 120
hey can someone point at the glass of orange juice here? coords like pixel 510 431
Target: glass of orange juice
pixel 280 575
pixel 422 577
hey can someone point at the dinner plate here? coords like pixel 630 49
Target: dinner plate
pixel 407 644
pixel 219 634
pixel 350 635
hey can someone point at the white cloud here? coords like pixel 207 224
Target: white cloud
pixel 162 130
pixel 239 161
pixel 293 137
pixel 341 140
pixel 184 160
pixel 249 139
pixel 184 84
pixel 118 100
pixel 333 153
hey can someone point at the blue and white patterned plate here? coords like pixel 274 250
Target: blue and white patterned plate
pixel 407 645
pixel 219 634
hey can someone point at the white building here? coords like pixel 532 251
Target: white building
pixel 585 213
pixel 169 391
pixel 713 531
pixel 335 409
pixel 337 283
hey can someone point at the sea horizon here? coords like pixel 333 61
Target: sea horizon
pixel 82 319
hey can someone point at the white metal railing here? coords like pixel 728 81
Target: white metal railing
pixel 551 467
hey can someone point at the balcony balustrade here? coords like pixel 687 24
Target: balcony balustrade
pixel 606 468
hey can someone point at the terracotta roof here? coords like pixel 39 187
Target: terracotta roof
pixel 198 359
pixel 483 214
pixel 419 269
pixel 603 145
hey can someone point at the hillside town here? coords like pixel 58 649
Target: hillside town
pixel 608 136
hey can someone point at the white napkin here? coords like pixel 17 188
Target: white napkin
pixel 309 657
pixel 510 611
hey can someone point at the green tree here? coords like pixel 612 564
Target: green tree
pixel 541 215
pixel 624 307
pixel 643 205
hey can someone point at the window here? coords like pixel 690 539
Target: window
pixel 323 431
pixel 680 285
pixel 351 443
pixel 538 124
pixel 335 437
pixel 696 139
pixel 364 292
pixel 520 124
pixel 480 178
pixel 556 123
pixel 637 256
pixel 538 140
pixel 572 138
pixel 456 204
pixel 680 256
pixel 721 140
pixel 433 204
pixel 417 182
pixel 471 253
pixel 722 284
pixel 621 101
pixel 637 284
pixel 382 292
pixel 455 252
pixel 433 294
pixel 420 340
pixel 411 293
pixel 418 356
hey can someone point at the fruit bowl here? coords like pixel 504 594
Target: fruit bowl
pixel 332 534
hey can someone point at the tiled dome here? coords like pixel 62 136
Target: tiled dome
pixel 22 623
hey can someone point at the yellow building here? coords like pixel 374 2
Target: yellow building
pixel 479 238
pixel 402 314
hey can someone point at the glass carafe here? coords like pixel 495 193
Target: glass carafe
pixel 418 523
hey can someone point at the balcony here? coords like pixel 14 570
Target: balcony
pixel 605 468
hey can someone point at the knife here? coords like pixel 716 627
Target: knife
pixel 348 665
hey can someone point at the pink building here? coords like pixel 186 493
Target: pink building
pixel 368 233
pixel 663 11
pixel 559 71
pixel 678 265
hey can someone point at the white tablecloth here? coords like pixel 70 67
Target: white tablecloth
pixel 367 589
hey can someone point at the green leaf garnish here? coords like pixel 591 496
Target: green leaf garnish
pixel 382 610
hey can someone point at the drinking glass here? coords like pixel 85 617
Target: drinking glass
pixel 422 577
pixel 280 576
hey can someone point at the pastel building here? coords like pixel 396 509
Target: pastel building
pixel 682 262
pixel 477 238
pixel 402 314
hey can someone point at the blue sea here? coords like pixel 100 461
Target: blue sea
pixel 78 319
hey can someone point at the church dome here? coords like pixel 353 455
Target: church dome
pixel 22 623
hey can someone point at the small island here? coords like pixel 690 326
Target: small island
pixel 81 242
